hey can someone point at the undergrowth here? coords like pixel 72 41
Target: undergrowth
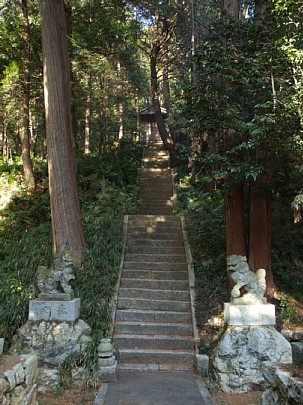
pixel 203 208
pixel 107 191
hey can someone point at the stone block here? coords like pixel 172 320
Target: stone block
pixel 106 361
pixel 250 315
pixel 202 364
pixel 297 353
pixel 67 311
pixel 30 365
pixel 56 297
pixel 3 386
pixel 48 380
pixel 10 377
pixel 107 374
pixel 19 373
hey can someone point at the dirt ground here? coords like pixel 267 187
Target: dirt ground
pixel 251 398
pixel 68 396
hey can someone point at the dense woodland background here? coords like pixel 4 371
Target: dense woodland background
pixel 229 74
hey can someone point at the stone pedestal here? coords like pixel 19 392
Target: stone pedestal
pixel 250 315
pixel 64 311
pixel 107 374
pixel 249 341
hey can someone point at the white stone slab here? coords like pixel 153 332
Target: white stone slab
pixel 250 315
pixel 67 311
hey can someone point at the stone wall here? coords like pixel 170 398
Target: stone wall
pixel 238 359
pixel 285 384
pixel 18 380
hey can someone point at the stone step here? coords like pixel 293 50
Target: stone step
pixel 161 211
pixel 144 293
pixel 155 250
pixel 140 315
pixel 148 328
pixel 136 242
pixel 152 183
pixel 155 274
pixel 154 208
pixel 157 189
pixel 155 367
pixel 164 342
pixel 155 164
pixel 153 153
pixel 153 158
pixel 155 183
pixel 149 231
pixel 154 356
pixel 154 284
pixel 158 204
pixel 154 218
pixel 150 195
pixel 162 266
pixel 150 227
pixel 167 236
pixel 169 258
pixel 155 174
pixel 157 305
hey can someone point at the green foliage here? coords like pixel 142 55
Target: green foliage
pixel 25 238
pixel 286 307
pixel 204 213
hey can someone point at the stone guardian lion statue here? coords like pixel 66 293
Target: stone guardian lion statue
pixel 253 284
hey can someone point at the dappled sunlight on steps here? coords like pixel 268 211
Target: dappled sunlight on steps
pixel 153 325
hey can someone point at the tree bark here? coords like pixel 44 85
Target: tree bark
pixel 233 199
pixel 234 221
pixel 25 137
pixel 87 116
pixel 232 8
pixel 166 138
pixel 260 232
pixel 67 228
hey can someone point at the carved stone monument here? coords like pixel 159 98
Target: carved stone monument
pixel 250 338
pixel 53 330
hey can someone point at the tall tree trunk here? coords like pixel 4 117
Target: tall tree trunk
pixel 259 199
pixel 166 86
pixel 166 138
pixel 65 208
pixel 233 199
pixel 25 138
pixel 260 231
pixel 232 8
pixel 87 116
pixel 234 221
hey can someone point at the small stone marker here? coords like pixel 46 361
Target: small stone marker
pixel 202 365
pixel 106 361
pixel 1 346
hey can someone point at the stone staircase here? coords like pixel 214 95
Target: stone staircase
pixel 153 324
